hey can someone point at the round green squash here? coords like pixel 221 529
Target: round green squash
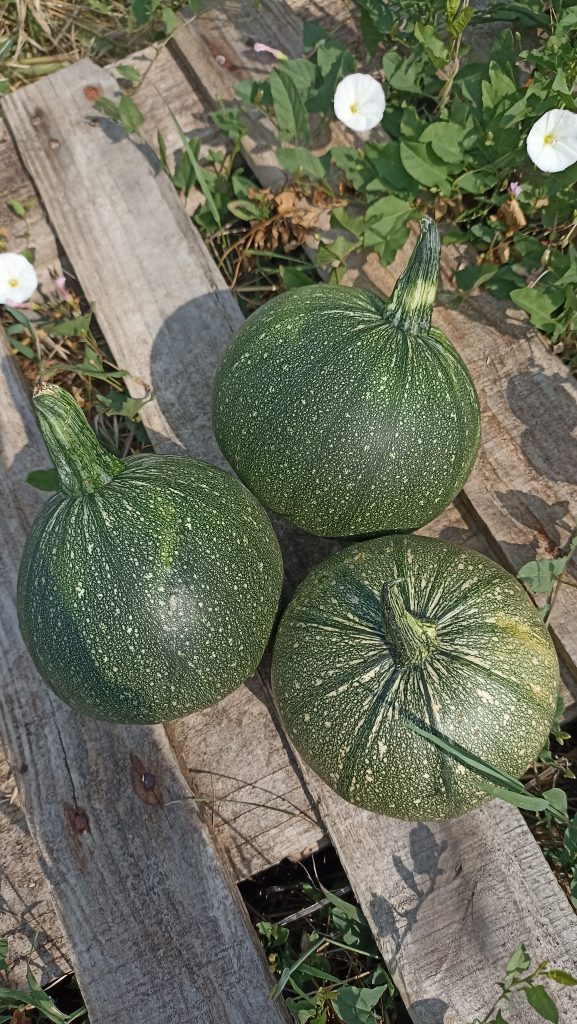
pixel 348 414
pixel 148 586
pixel 409 629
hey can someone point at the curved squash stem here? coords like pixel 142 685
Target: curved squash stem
pixel 410 640
pixel 80 460
pixel 414 294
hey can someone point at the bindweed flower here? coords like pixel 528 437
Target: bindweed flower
pixel 552 141
pixel 63 293
pixel 263 48
pixel 359 102
pixel 18 279
pixel 514 189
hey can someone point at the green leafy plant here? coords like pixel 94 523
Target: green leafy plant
pixel 34 998
pixel 335 973
pixel 546 575
pixel 521 976
pixel 455 145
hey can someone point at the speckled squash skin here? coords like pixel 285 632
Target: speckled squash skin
pixel 472 660
pixel 347 414
pixel 154 594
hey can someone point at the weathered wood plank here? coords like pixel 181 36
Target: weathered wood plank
pixel 167 315
pixel 523 490
pixel 542 919
pixel 27 915
pixel 448 903
pixel 156 929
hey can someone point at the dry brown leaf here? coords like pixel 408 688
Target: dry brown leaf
pixel 512 214
pixel 20 1017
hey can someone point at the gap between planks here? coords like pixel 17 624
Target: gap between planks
pixel 490 885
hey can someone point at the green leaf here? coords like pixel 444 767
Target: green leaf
pixel 355 1005
pixel 4 86
pixel 200 176
pixel 561 977
pixel 289 971
pixel 313 34
pixel 24 350
pixel 421 163
pixel 384 216
pixel 229 120
pixel 245 209
pixel 289 108
pixel 3 954
pixel 336 250
pixel 497 90
pixel 162 153
pixel 405 74
pixel 351 163
pixel 540 304
pixel 42 1001
pixel 322 98
pixel 457 25
pixel 539 998
pixel 557 799
pixel 128 72
pixel 385 159
pixel 520 961
pixel 130 116
pixel 472 277
pixel 108 107
pixel 44 480
pixel 302 73
pixel 120 404
pixel 299 160
pixel 475 182
pixel 446 140
pixel 340 218
pixel 16 207
pixel 142 10
pixel 77 325
pixel 432 44
pixel 170 20
pixel 328 54
pixel 293 277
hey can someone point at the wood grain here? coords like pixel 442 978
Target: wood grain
pixel 156 929
pixel 27 915
pixel 167 316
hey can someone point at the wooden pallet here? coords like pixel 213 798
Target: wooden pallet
pixel 143 890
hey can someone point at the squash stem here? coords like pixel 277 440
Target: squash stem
pixel 80 460
pixel 414 294
pixel 410 640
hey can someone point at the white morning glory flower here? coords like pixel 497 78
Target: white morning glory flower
pixel 552 141
pixel 18 279
pixel 359 102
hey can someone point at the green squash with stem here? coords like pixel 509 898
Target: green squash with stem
pixel 346 413
pixel 409 631
pixel 149 585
